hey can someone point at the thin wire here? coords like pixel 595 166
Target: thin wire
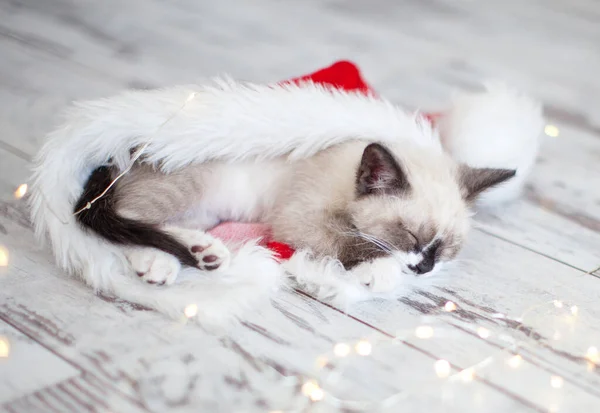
pixel 137 155
pixel 592 271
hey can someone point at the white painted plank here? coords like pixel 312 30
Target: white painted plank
pixel 26 366
pixel 35 95
pixel 13 172
pixel 80 394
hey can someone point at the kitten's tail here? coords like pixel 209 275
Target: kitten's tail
pixel 102 218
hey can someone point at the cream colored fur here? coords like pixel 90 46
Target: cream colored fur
pixel 297 199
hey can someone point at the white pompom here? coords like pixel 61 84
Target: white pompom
pixel 498 128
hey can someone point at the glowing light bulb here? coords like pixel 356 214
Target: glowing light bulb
pixel 450 306
pixel 483 332
pixel 424 332
pixel 309 386
pixel 191 97
pixel 21 191
pixel 322 361
pixel 317 395
pixel 312 390
pixel 551 131
pixel 341 349
pixel 4 347
pixel 3 257
pixel 191 310
pixel 556 382
pixel 558 304
pixel 363 348
pixel 515 361
pixel 442 368
pixel 467 375
pixel 574 310
pixel 592 354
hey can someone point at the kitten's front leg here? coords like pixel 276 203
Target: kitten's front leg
pixel 380 275
pixel 374 268
pixel 153 266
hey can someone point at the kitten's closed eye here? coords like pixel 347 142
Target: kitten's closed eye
pixel 416 246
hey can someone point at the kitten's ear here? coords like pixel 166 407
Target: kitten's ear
pixel 379 172
pixel 473 181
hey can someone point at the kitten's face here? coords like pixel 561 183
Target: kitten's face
pixel 419 213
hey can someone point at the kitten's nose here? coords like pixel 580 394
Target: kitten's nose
pixel 423 267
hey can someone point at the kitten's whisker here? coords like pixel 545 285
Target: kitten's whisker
pixel 373 241
pixel 369 239
pixel 390 247
pixel 382 246
pixel 380 243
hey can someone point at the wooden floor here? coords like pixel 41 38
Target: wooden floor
pixel 515 329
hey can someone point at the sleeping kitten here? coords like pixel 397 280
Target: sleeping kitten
pixel 359 202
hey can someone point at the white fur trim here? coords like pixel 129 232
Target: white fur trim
pixel 227 121
pixel 235 121
pixel 497 129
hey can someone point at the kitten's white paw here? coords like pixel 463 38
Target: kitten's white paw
pixel 380 275
pixel 210 252
pixel 154 266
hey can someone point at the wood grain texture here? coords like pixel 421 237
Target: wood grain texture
pixel 542 248
pixel 18 375
pixel 77 394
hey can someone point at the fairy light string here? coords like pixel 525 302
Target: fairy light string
pixel 315 388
